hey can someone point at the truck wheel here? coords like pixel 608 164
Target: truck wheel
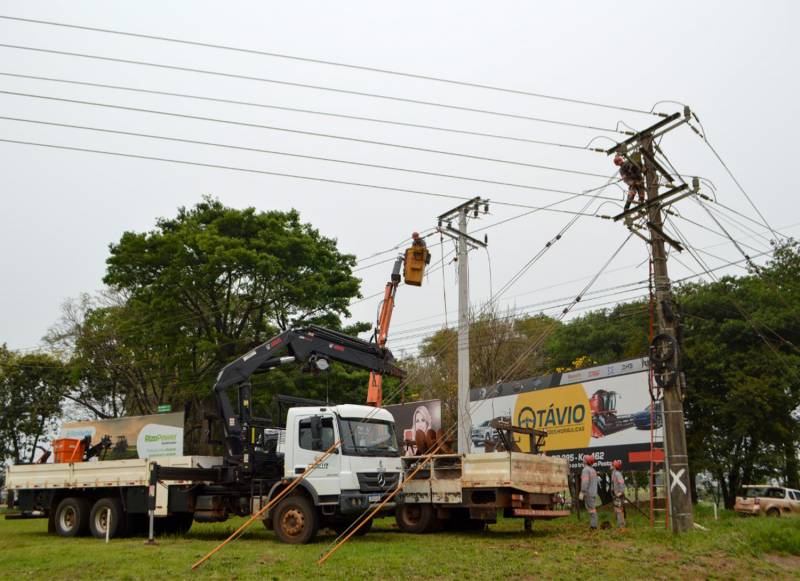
pixel 72 517
pixel 342 526
pixel 416 518
pixel 773 512
pixel 295 520
pixel 98 518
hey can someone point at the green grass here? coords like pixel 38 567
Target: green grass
pixel 733 548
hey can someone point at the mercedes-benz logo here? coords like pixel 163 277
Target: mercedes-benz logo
pixel 381 479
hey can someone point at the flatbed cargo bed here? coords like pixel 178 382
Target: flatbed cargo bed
pixel 100 474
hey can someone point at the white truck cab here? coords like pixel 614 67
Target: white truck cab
pixel 364 467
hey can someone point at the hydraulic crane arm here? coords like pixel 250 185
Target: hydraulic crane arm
pixel 312 344
pixel 375 388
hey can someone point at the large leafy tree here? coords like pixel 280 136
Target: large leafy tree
pixel 31 386
pixel 192 294
pixel 743 370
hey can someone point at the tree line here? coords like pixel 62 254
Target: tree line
pixel 205 286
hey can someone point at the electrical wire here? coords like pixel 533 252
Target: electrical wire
pixel 309 86
pixel 299 155
pixel 285 130
pixel 307 111
pixel 331 63
pixel 704 137
pixel 281 174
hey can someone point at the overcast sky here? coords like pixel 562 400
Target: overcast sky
pixel 734 63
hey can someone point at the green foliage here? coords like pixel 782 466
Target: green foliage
pixel 742 368
pixel 191 295
pixel 602 336
pixel 31 387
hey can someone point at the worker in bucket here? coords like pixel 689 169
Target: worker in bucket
pixel 418 240
pixel 631 174
pixel 618 488
pixel 588 492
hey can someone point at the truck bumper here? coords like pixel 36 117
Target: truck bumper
pixel 354 501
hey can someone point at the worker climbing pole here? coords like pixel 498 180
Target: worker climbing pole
pixel 646 221
pixel 412 262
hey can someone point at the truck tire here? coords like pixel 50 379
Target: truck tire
pixel 295 520
pixel 774 512
pixel 342 526
pixel 72 517
pixel 417 518
pixel 98 518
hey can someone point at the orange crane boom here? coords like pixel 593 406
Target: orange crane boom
pixel 413 263
pixel 375 388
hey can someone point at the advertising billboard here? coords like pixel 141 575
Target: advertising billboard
pixel 604 410
pixel 410 417
pixel 150 436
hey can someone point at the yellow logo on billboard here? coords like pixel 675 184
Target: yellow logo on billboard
pixel 563 412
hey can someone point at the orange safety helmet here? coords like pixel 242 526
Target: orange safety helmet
pixel 588 459
pixel 414 235
pixel 617 464
pixel 619 160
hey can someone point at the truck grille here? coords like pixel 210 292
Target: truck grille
pixel 370 481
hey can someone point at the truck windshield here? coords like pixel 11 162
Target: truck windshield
pixel 362 437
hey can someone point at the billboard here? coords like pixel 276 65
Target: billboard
pixel 151 436
pixel 410 417
pixel 604 410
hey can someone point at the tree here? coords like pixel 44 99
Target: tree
pixel 741 363
pixel 31 386
pixel 191 295
pixel 502 348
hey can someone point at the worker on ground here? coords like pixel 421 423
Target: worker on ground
pixel 618 488
pixel 588 492
pixel 631 174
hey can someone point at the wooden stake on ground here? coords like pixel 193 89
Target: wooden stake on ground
pixel 292 485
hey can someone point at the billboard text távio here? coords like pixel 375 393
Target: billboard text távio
pixel 604 410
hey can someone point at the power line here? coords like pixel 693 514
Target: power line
pixel 280 174
pixel 316 87
pixel 307 111
pixel 704 137
pixel 301 132
pixel 332 63
pixel 289 154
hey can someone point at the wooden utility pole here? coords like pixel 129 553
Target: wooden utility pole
pixel 677 461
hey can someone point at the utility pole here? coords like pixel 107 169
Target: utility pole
pixel 475 206
pixel 677 459
pixel 665 355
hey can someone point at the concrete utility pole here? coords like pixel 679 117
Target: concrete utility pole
pixel 674 427
pixel 462 212
pixel 464 425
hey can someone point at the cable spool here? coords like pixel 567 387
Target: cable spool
pixel 662 348
pixel 665 375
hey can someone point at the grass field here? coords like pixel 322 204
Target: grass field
pixel 733 548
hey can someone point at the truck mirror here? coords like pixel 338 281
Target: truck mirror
pixel 316 433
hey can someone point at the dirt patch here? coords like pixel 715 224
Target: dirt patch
pixel 788 562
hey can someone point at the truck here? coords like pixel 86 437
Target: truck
pixel 114 497
pixel 471 490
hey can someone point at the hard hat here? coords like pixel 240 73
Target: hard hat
pixel 618 160
pixel 617 464
pixel 414 235
pixel 588 459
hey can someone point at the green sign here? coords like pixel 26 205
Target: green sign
pixel 164 408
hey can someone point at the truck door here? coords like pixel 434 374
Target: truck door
pixel 315 434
